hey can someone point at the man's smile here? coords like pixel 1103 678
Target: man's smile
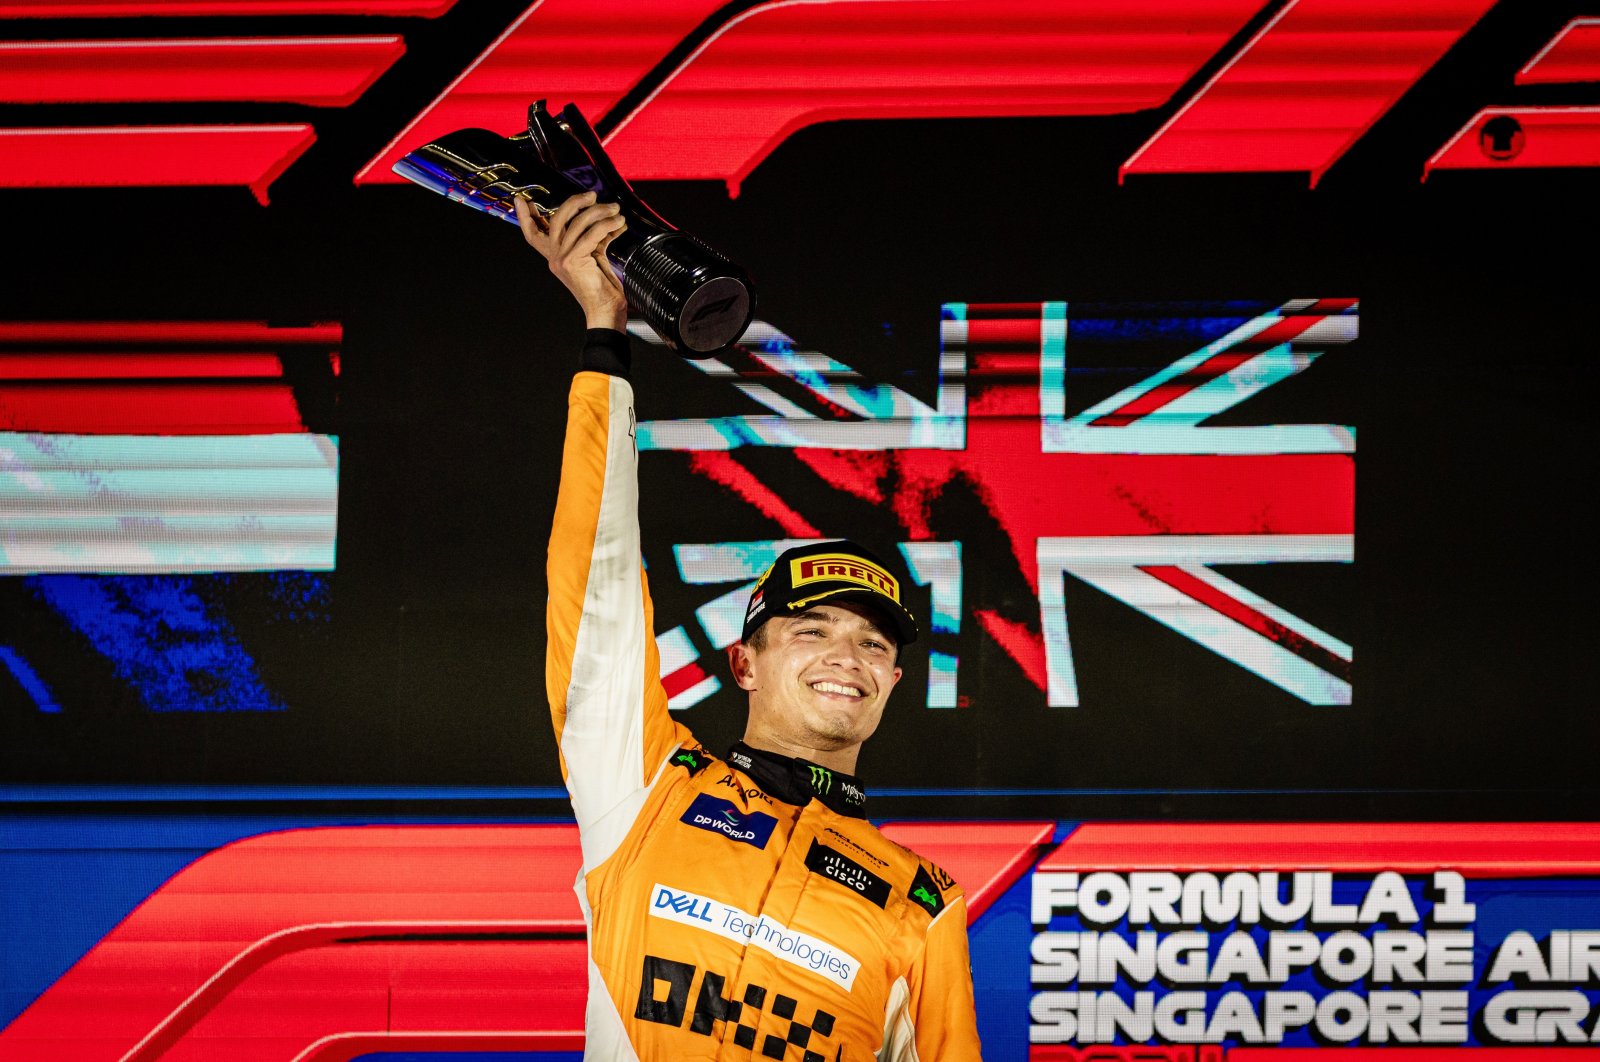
pixel 838 689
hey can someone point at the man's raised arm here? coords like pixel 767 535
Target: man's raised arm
pixel 602 672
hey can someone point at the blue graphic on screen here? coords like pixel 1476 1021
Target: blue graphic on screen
pixel 169 639
pixel 28 679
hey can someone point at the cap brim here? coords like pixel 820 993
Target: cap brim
pixel 902 625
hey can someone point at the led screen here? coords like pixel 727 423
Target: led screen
pixel 1215 375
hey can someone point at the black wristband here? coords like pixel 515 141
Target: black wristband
pixel 606 350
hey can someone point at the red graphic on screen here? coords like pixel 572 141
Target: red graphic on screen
pixel 323 71
pixel 1306 87
pixel 1309 84
pixel 343 1047
pixel 1252 619
pixel 1543 137
pixel 1522 138
pixel 251 156
pixel 152 377
pixel 1209 1053
pixel 230 8
pixel 774 70
pixel 1571 57
pixel 777 68
pixel 549 53
pixel 1134 1053
pixel 318 71
pixel 325 943
pixel 1476 849
pixel 722 469
pixel 262 948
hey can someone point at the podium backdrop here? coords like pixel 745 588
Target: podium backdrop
pixel 1218 372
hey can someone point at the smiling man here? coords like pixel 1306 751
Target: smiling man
pixel 743 908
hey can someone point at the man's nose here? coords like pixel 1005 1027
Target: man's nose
pixel 842 649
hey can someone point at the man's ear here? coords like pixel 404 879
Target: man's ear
pixel 742 665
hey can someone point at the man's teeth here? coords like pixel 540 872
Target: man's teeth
pixel 834 687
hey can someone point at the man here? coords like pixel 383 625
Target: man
pixel 744 909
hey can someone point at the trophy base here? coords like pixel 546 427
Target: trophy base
pixel 695 299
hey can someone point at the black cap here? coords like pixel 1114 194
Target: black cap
pixel 807 575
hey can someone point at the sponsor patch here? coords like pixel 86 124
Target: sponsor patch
pixel 925 893
pixel 727 818
pixel 744 1015
pixel 848 843
pixel 842 567
pixel 749 792
pixel 800 949
pixel 692 760
pixel 836 866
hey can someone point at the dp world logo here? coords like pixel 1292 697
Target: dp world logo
pixel 722 816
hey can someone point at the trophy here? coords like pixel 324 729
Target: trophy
pixel 693 296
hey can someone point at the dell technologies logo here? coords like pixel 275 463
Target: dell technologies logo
pixel 821 957
pixel 685 905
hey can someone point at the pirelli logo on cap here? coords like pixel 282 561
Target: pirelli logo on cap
pixel 842 567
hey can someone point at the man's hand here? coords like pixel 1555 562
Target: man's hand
pixel 573 240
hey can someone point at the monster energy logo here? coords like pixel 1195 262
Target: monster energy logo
pixel 821 779
pixel 925 896
pixel 688 758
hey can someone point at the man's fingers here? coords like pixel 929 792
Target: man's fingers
pixel 606 269
pixel 601 230
pixel 565 213
pixel 529 220
pixel 572 238
pixel 583 228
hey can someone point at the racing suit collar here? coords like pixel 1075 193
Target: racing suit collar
pixel 797 781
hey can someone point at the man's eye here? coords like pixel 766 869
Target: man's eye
pixel 810 630
pixel 874 645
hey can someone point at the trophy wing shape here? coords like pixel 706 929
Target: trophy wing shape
pixel 695 297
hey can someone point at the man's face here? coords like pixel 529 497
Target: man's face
pixel 821 678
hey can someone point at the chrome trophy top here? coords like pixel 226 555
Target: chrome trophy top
pixel 694 297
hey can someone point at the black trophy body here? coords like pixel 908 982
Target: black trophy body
pixel 695 298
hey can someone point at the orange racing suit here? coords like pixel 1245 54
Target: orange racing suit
pixel 739 909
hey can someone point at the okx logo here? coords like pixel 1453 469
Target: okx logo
pixel 666 984
pixel 723 816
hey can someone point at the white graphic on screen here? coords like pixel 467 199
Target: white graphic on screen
pixel 889 418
